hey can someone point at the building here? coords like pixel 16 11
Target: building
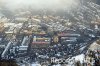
pixel 68 37
pixel 40 41
pixel 1 27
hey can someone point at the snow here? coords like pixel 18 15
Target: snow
pixel 35 65
pixel 57 65
pixel 79 57
pixel 94 46
pixel 81 49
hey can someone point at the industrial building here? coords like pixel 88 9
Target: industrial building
pixel 40 41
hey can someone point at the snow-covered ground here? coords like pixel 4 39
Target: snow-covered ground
pixel 35 65
pixel 57 65
pixel 79 57
pixel 94 46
